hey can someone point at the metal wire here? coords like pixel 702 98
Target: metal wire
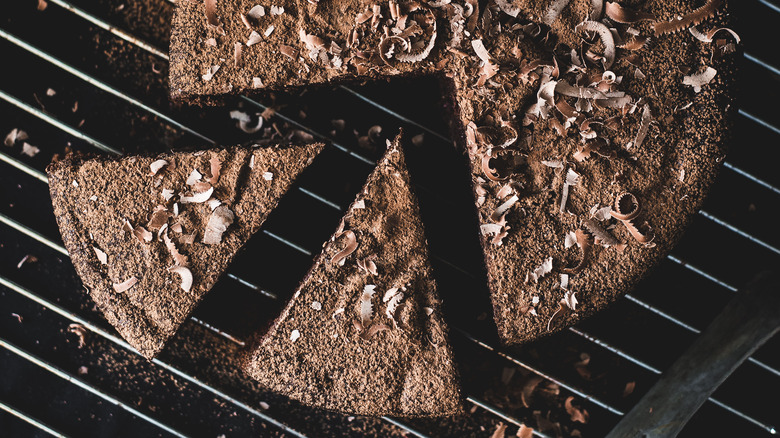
pixel 30 420
pixel 89 388
pixel 128 37
pixel 73 317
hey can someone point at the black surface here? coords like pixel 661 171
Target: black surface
pixel 443 186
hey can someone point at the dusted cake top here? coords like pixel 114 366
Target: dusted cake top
pixel 365 333
pixel 563 107
pixel 149 236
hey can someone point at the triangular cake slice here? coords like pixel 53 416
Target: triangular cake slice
pixel 364 333
pixel 149 236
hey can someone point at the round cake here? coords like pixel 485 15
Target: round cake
pixel 593 129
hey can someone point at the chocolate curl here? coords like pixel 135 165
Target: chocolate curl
pixel 583 241
pixel 352 245
pixel 692 19
pixel 626 210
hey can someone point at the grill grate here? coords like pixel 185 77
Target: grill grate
pixel 124 393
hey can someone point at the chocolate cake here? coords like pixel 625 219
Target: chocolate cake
pixel 364 333
pixel 593 130
pixel 149 236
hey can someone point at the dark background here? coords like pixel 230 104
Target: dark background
pixel 193 389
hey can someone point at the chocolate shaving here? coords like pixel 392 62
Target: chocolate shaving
pixel 490 173
pixel 525 431
pixel 80 332
pixel 496 137
pixel 366 307
pixel 500 431
pixel 576 415
pixel 569 300
pixel 543 269
pixel 644 126
pixel 197 198
pixel 194 177
pixel 103 257
pixel 635 43
pixel 156 166
pixel 606 38
pixel 584 243
pixel 499 212
pixel 698 80
pixel 626 207
pixel 211 16
pixel 351 246
pixel 210 74
pixel 554 10
pixel 216 167
pixel 376 328
pixel 289 51
pixel 508 7
pixel 388 48
pixel 238 50
pixel 167 194
pixel 178 258
pixel 620 14
pixel 253 39
pixel 142 234
pixel 125 285
pixel 256 12
pixel 505 191
pixel 688 20
pixel 15 135
pixel 566 89
pixel 393 299
pixel 600 233
pixel 29 150
pixel 186 276
pixel 368 266
pixel 708 37
pixel 596 10
pixel 626 210
pixel 572 179
pixel 219 221
pixel 529 386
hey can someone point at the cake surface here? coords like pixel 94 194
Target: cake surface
pixel 364 332
pixel 562 108
pixel 149 236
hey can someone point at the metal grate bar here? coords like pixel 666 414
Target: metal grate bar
pixel 233 339
pixel 758 181
pixel 61 249
pixel 404 426
pixel 501 414
pixel 99 84
pixel 48 242
pixel 109 27
pixel 78 382
pixel 540 373
pixel 24 417
pixel 728 165
pixel 121 342
pixel 741 233
pixel 762 63
pixel 54 122
pixel 42 239
pixel 140 43
pixel 388 111
pixel 571 388
pixel 654 370
pixel 770 5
